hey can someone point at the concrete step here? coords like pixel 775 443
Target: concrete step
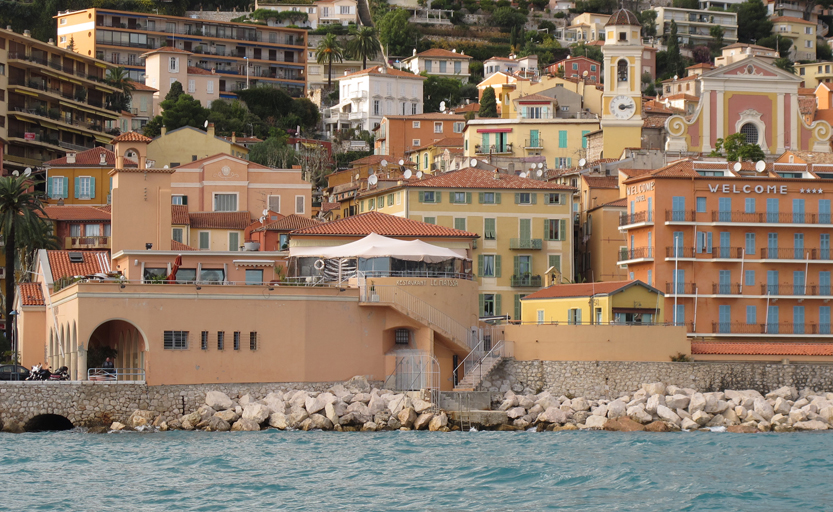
pixel 476 375
pixel 460 399
pixel 478 419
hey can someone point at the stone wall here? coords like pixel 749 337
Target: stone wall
pixel 216 15
pixel 610 379
pixel 87 403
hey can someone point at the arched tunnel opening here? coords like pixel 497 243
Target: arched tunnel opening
pixel 48 422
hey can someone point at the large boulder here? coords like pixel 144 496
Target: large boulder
pixel 331 414
pixel 811 425
pixel 359 408
pixel 688 424
pixel 594 421
pixel 256 412
pixel 423 420
pixel 742 429
pixel 228 415
pixel 117 426
pixel 420 406
pixel 668 415
pixel 278 420
pixel 376 404
pixel 314 404
pixel 525 402
pixel 701 418
pixel 785 392
pixel 697 403
pixel 552 415
pixel 781 406
pixel 297 416
pixel 358 384
pixel 141 418
pixel 319 422
pixel 654 388
pixel 657 426
pixel 623 424
pixel 654 401
pixel 579 404
pixel 217 424
pixel 246 425
pixel 677 401
pixel 763 408
pixel 407 417
pixel 638 413
pixel 516 412
pixel 369 427
pixel 246 399
pixel 616 409
pixel 438 422
pixel 397 403
pixel 218 401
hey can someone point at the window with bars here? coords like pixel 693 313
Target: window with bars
pixel 176 340
pixel 204 340
pixel 750 131
pixel 236 340
pixel 402 336
pixel 253 340
pixel 221 340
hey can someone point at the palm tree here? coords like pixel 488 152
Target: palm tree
pixel 119 78
pixel 38 235
pixel 364 44
pixel 329 50
pixel 19 208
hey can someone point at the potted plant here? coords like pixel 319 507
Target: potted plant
pixel 373 296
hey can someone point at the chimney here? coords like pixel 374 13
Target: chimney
pixel 103 159
pixel 27 33
pixel 9 28
pixel 51 42
pixel 497 174
pixel 70 158
pixel 210 129
pixel 454 50
pixel 233 138
pixel 414 51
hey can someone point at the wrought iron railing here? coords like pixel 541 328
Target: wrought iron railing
pixel 636 253
pixel 680 288
pixel 525 281
pixel 526 243
pixel 634 218
pixel 115 374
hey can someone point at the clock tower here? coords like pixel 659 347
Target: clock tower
pixel 621 121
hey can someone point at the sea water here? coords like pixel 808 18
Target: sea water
pixel 317 471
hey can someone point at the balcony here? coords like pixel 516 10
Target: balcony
pixel 795 253
pixel 681 289
pixel 526 243
pixel 534 144
pixel 87 242
pixel 726 288
pixel 645 218
pixel 672 216
pixel 679 252
pixel 58 66
pixel 770 218
pixel 727 252
pixel 637 253
pixel 770 328
pixel 493 149
pixel 793 290
pixel 526 281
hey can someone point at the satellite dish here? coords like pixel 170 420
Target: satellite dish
pixel 760 166
pixel 27 171
pixel 205 124
pixel 582 162
pixel 523 175
pixel 539 173
pixel 473 162
pixel 584 74
pixel 265 212
pixel 419 174
pixel 372 179
pixel 384 163
pixel 442 106
pixel 540 165
pixel 15 173
pixel 401 162
pixel 358 176
pixel 407 174
pixel 737 167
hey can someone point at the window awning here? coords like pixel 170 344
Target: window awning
pixel 649 311
pixel 378 246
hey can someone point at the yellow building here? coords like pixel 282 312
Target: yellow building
pixel 605 242
pixel 524 225
pixel 814 73
pixel 534 133
pixel 619 302
pixel 81 178
pixel 588 26
pixel 188 144
pixel 801 32
pixel 443 155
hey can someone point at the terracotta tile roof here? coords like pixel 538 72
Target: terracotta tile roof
pixel 385 225
pixel 807 105
pixel 681 96
pixel 502 59
pixel 803 91
pixel 31 294
pixel 682 79
pixel 619 202
pixel 179 246
pixel 655 107
pixel 106 208
pixel 471 177
pixel 327 207
pixel 131 137
pixel 623 17
pixel 601 181
pixel 377 70
pixel 76 213
pixel 199 163
pixel 194 70
pixel 535 97
pixel 139 86
pixel 220 220
pixel 813 157
pixel 471 107
pixel 630 173
pixel 431 116
pixel 243 140
pixel 377 160
pixel 289 223
pixel 764 348
pixel 702 65
pixel 90 158
pixel 95 262
pixel 439 52
pixel 179 215
pixel 448 142
pixel 791 19
pixel 747 45
pixel 572 59
pixel 560 291
pixel 654 121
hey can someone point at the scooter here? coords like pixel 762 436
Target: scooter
pixel 61 374
pixel 39 373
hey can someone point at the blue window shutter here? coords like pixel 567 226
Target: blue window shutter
pixel 92 188
pixel 66 187
pixel 111 184
pixel 77 186
pixel 51 187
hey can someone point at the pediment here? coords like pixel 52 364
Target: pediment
pixel 752 69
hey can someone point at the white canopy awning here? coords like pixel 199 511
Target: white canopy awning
pixel 378 246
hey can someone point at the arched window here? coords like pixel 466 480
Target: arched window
pixel 622 70
pixel 751 133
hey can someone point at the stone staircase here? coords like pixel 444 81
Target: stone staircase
pixel 476 375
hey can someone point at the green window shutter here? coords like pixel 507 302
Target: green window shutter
pixel 484 143
pixel 517 265
pixel 77 186
pixel 534 197
pixel 497 265
pixel 92 188
pixel 517 307
pixel 468 197
pixel 438 197
pixel 562 138
pixel 480 271
pixel 517 198
pixel 66 187
pixel 497 304
pixel 562 232
pixel 569 162
pixel 421 197
pixel 497 197
pixel 584 138
pixel 547 229
pixel 482 299
pixel 460 224
pixel 555 261
pixel 488 227
pixel 361 206
pixel 481 197
pixel 451 198
pixel 525 229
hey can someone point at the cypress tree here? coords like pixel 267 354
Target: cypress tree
pixel 488 104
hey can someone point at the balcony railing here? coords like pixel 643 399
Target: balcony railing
pixel 811 290
pixel 680 215
pixel 635 253
pixel 771 217
pixel 526 281
pixel 681 288
pixel 794 253
pixel 634 218
pixel 492 149
pixel 534 143
pixel 726 288
pixel 523 243
pixel 43 61
pixel 87 242
pixel 679 252
pixel 727 252
pixel 769 328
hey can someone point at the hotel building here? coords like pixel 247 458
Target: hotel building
pixel 276 56
pixel 743 256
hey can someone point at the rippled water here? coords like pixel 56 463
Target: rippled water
pixel 274 470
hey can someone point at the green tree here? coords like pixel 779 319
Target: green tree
pixel 119 78
pixel 363 44
pixel 737 149
pixel 178 110
pixel 716 44
pixel 753 21
pixel 396 33
pixel 273 152
pixel 507 18
pixel 687 4
pixel 328 52
pixel 649 22
pixel 674 59
pixel 268 103
pixel 599 6
pixel 233 116
pixel 37 235
pixel 71 45
pixel 440 89
pixel 306 112
pixel 488 104
pixel 823 52
pixel 777 42
pixel 20 206
pixel 175 91
pixel 785 63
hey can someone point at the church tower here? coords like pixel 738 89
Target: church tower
pixel 621 121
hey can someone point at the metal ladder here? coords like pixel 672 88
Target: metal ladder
pixel 464 405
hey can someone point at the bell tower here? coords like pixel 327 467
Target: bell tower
pixel 621 121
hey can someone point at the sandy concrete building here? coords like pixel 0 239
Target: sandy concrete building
pixel 440 156
pixel 399 134
pixel 439 62
pixel 801 32
pixel 164 66
pixel 594 192
pixel 82 178
pixel 188 144
pixel 693 25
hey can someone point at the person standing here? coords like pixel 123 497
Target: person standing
pixel 109 369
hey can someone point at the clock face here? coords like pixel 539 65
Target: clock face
pixel 622 107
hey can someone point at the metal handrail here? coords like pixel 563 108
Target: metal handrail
pixel 115 374
pixel 496 349
pixel 466 359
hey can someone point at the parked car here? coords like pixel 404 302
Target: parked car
pixel 13 372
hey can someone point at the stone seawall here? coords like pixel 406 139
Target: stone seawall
pixel 610 379
pixel 100 403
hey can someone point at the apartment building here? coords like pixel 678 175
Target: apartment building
pixel 742 254
pixel 52 101
pixel 439 62
pixel 164 66
pixel 274 56
pixel 592 236
pixel 187 144
pixel 398 135
pixel 440 156
pixel 524 227
pixel 322 12
pixel 802 33
pixel 693 25
pixel 814 73
pixel 587 27
pixel 577 67
pixel 526 67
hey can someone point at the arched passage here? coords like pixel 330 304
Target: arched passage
pixel 120 340
pixel 45 422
